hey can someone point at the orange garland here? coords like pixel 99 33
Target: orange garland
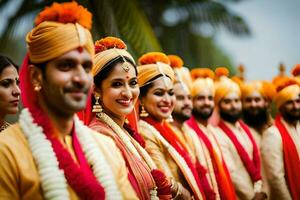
pixel 202 73
pixel 175 61
pixel 296 70
pixel 153 58
pixel 109 43
pixel 69 12
pixel 221 71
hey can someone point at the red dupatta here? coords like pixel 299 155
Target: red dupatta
pixel 253 166
pixel 225 186
pixel 171 137
pixel 291 159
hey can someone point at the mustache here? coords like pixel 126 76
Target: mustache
pixel 186 107
pixel 77 88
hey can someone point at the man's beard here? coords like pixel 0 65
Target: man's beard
pixel 180 116
pixel 256 120
pixel 230 117
pixel 199 114
pixel 290 117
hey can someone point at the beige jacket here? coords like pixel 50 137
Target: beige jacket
pixel 239 175
pixel 19 178
pixel 272 154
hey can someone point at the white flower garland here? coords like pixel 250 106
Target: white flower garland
pixel 176 156
pixel 53 181
pixel 129 144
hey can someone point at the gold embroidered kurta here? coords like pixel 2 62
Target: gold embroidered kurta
pixel 161 157
pixel 202 154
pixel 19 178
pixel 272 155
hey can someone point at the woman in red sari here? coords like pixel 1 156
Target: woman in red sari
pixel 114 96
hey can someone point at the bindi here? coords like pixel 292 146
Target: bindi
pixel 80 49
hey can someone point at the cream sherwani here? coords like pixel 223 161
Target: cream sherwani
pixel 272 155
pixel 240 177
pixel 202 153
pixel 19 178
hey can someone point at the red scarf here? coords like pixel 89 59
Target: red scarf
pixel 171 137
pixel 225 186
pixel 252 166
pixel 291 160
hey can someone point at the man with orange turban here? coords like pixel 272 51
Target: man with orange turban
pixel 200 132
pixel 281 143
pixel 240 151
pixel 256 99
pixel 49 153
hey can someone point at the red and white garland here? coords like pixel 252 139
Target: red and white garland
pixel 53 181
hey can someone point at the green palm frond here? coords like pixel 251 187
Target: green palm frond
pixel 211 12
pixel 134 26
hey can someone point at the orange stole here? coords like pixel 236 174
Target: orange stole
pixel 139 173
pixel 226 188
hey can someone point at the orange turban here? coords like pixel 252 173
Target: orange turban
pixel 264 88
pixel 224 87
pixel 287 90
pixel 152 65
pixel 182 74
pixel 108 49
pixel 58 32
pixel 203 80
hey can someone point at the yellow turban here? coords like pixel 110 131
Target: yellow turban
pixel 50 40
pixel 286 94
pixel 152 66
pixel 182 76
pixel 113 48
pixel 201 84
pixel 264 88
pixel 224 87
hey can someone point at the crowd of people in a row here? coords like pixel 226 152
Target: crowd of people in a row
pixel 96 124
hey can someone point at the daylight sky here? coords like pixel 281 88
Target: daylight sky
pixel 275 26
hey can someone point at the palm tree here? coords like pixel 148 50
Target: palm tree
pixel 172 26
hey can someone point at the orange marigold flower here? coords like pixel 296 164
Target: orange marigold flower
pixel 285 83
pixel 109 43
pixel 202 73
pixel 221 71
pixel 69 12
pixel 296 70
pixel 175 61
pixel 153 58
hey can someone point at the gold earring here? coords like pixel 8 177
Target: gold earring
pixel 143 113
pixel 37 88
pixel 170 119
pixel 97 108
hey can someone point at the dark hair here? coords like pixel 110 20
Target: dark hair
pixel 5 62
pixel 109 67
pixel 144 89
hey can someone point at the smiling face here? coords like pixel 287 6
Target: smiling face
pixel 9 91
pixel 119 91
pixel 159 100
pixel 183 105
pixel 203 104
pixel 65 82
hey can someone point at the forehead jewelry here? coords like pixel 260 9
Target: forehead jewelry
pixel 159 65
pixel 125 65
